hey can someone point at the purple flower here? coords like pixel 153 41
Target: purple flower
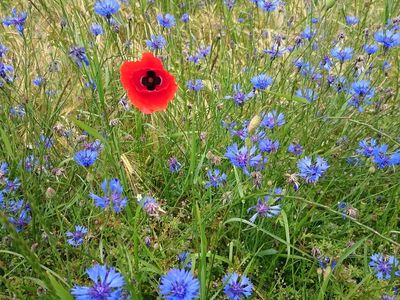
pixel 351 20
pixel 85 157
pixel 76 237
pixel 185 18
pixel 296 149
pixel 307 94
pixel 237 287
pixel 166 21
pixel 244 157
pixel 382 266
pixel 366 148
pixel 195 85
pixel 387 38
pixel 112 195
pixel 185 259
pixel 78 55
pixel 272 119
pixel 150 206
pixel 107 284
pixel 179 285
pixel 174 165
pixel 239 97
pixel 106 8
pixel 264 210
pixel 96 29
pixel 311 172
pixel 371 48
pixel 215 178
pixel 17 20
pixel 156 42
pixel 342 54
pixel 267 145
pixel 261 81
pixel 23 216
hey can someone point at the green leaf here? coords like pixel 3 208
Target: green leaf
pixel 91 131
pixel 61 292
pixel 7 144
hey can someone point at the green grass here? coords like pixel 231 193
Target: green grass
pixel 213 224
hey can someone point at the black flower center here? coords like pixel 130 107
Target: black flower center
pixel 151 80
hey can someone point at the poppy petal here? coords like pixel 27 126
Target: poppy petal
pixel 153 97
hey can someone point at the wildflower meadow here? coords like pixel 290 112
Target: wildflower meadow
pixel 199 149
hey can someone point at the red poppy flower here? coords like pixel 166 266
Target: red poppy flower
pixel 150 87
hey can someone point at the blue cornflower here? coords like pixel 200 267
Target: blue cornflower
pixel 3 50
pixel 386 66
pixel 23 218
pixel 312 172
pixel 112 195
pixel 38 81
pixel 3 169
pixel 185 259
pixel 296 149
pixel 264 209
pixel 243 157
pixel 326 63
pixel 78 55
pixel 179 285
pixel 272 120
pixel 268 5
pixel 383 265
pixel 361 93
pixel 367 148
pixel 17 20
pixel 12 185
pixel 352 20
pixel 17 111
pixel 325 262
pixel 47 141
pixel 371 48
pixel 387 38
pixel 174 165
pixel 237 287
pixel 267 145
pixel 85 157
pixel 229 3
pixel 215 178
pixel 106 8
pixel 31 162
pixel 342 54
pixel 201 53
pixel 195 85
pixel 166 21
pixel 240 98
pixel 150 206
pixel 76 237
pixel 91 84
pixel 6 73
pixel 156 42
pixel 261 81
pixel 107 284
pixel 97 145
pixel 307 33
pixel 185 18
pixel 275 51
pixel 382 159
pixel 96 29
pixel 307 94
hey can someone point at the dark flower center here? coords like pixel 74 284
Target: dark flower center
pixel 151 80
pixel 178 290
pixel 100 291
pixel 236 289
